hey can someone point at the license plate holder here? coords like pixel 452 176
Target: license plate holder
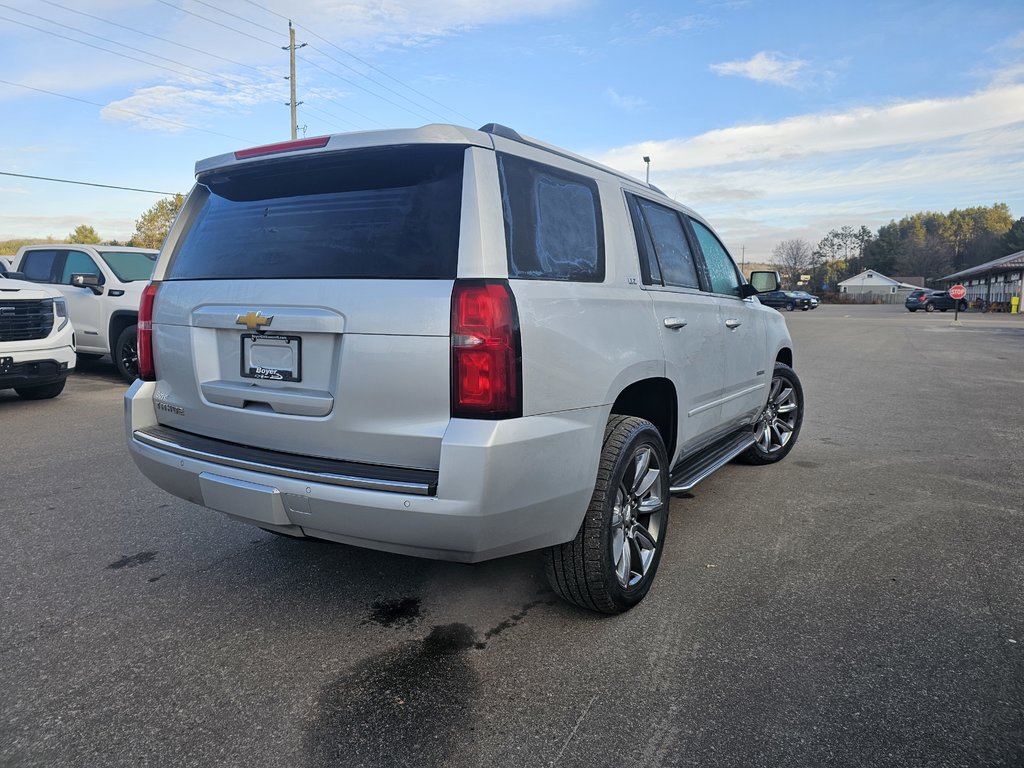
pixel 271 357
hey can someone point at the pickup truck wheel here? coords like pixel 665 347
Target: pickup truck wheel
pixel 126 353
pixel 779 426
pixel 41 391
pixel 610 565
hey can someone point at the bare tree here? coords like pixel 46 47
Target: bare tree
pixel 794 258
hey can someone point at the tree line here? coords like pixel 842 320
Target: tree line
pixel 924 244
pixel 150 229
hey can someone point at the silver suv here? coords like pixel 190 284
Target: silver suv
pixel 454 344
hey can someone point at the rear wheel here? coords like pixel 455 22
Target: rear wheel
pixel 780 423
pixel 126 353
pixel 40 391
pixel 929 307
pixel 790 306
pixel 610 565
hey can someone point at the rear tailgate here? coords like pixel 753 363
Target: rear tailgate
pixel 306 305
pixel 354 370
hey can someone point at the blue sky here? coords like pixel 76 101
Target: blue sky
pixel 772 119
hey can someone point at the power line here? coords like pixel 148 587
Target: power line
pixel 365 63
pixel 156 37
pixel 126 111
pixel 86 183
pixel 115 53
pixel 236 16
pixel 123 45
pixel 225 26
pixel 357 85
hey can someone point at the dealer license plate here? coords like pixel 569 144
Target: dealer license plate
pixel 275 358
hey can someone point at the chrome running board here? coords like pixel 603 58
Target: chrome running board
pixel 691 471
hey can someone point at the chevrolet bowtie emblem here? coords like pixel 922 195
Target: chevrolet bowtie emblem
pixel 253 320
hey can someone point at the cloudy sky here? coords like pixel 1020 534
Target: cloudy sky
pixel 773 119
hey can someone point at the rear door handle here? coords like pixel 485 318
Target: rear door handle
pixel 732 323
pixel 674 322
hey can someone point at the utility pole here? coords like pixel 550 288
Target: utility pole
pixel 293 103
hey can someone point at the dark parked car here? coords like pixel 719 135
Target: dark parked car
pixel 811 296
pixel 929 301
pixel 788 300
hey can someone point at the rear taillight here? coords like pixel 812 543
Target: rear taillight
pixel 147 368
pixel 486 351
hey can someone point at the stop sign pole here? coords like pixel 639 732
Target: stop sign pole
pixel 956 293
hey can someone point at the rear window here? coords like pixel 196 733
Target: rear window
pixel 383 213
pixel 552 222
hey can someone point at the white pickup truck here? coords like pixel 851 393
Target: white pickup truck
pixel 102 285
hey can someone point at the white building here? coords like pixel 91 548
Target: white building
pixel 871 286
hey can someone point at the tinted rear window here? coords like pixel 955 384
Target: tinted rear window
pixel 382 213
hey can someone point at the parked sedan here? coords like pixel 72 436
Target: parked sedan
pixel 788 300
pixel 811 296
pixel 929 301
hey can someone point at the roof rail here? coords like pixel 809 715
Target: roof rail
pixel 497 129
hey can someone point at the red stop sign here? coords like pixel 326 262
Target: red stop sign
pixel 957 292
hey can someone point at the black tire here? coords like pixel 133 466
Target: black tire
pixel 943 309
pixel 779 426
pixel 126 353
pixel 911 310
pixel 790 306
pixel 41 391
pixel 626 513
pixel 804 308
pixel 963 306
pixel 929 307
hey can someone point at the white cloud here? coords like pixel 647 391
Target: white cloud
pixel 627 103
pixel 801 176
pixel 174 108
pixel 764 67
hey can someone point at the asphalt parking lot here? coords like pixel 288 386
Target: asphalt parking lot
pixel 861 603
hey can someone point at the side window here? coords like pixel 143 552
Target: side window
pixel 78 263
pixel 552 222
pixel 721 268
pixel 39 266
pixel 661 234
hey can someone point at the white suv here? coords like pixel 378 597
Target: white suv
pixel 455 344
pixel 37 341
pixel 103 285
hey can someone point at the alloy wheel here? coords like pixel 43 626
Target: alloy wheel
pixel 637 517
pixel 780 416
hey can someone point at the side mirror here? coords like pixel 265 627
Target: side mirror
pixel 86 280
pixel 763 282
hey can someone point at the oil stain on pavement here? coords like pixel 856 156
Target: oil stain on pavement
pixel 406 706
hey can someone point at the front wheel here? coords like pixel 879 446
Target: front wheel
pixel 963 306
pixel 790 306
pixel 780 422
pixel 126 353
pixel 610 565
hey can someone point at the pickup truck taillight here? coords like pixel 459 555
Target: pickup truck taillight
pixel 147 368
pixel 486 351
